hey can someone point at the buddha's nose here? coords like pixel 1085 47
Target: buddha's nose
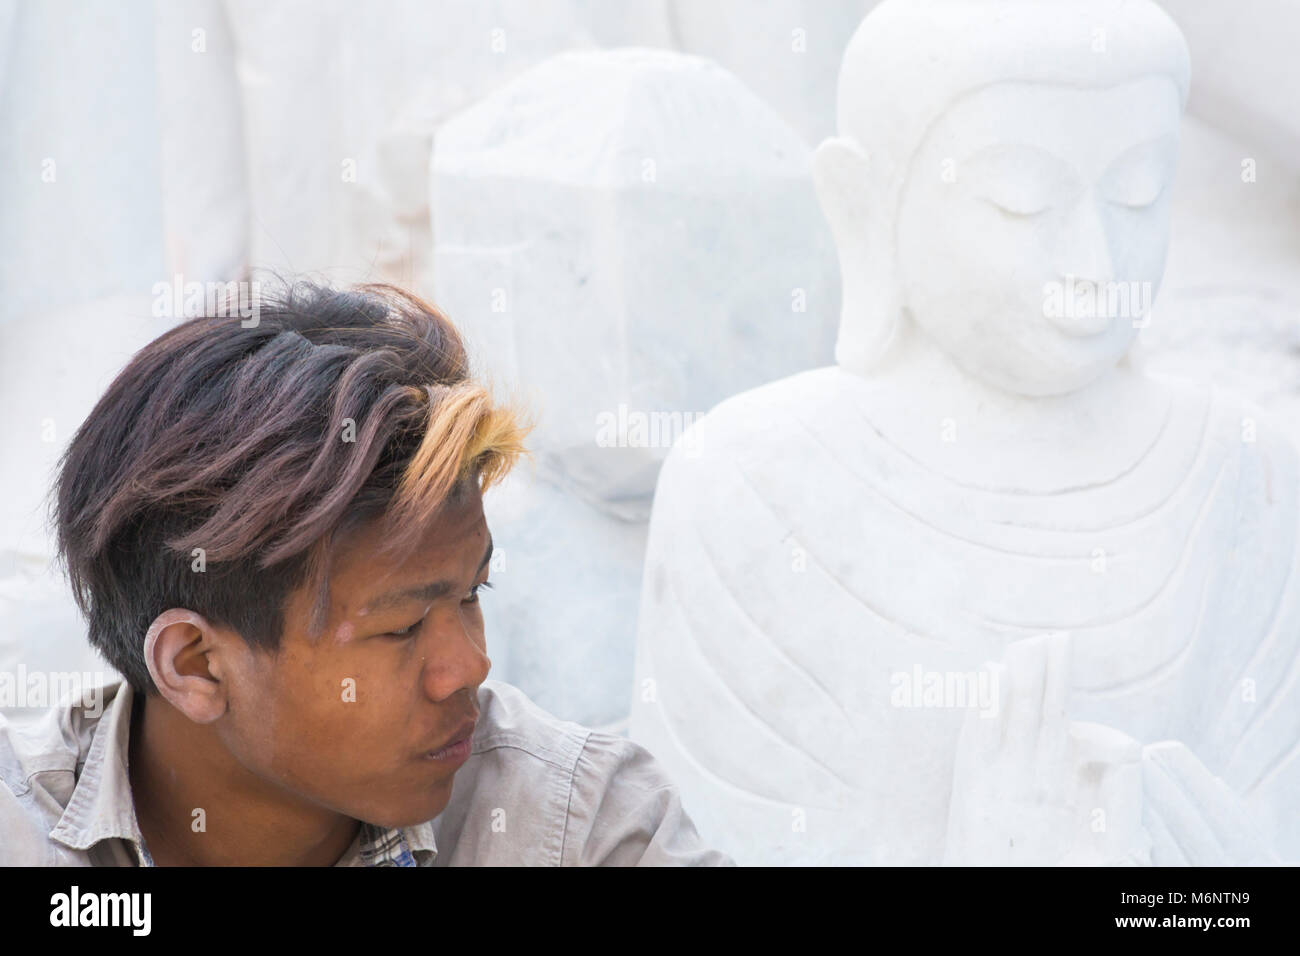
pixel 1084 248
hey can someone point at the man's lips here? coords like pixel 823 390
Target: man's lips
pixel 455 747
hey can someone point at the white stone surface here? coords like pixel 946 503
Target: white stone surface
pixel 626 237
pixel 1247 73
pixel 80 204
pixel 43 648
pixel 786 51
pixel 53 369
pixel 985 496
pixel 1229 308
pixel 1232 285
pixel 341 103
pixel 206 211
pixel 127 170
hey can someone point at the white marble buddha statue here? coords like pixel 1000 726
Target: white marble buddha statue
pixel 983 477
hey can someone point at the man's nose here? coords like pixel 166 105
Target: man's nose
pixel 455 660
pixel 1084 248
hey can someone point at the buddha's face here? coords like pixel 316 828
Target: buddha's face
pixel 1033 226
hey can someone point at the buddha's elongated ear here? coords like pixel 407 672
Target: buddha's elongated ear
pixel 870 308
pixel 840 170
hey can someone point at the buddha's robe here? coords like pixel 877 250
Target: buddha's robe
pixel 798 563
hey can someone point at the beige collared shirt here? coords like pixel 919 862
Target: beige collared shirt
pixel 536 791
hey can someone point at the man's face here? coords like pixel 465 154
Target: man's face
pixel 350 720
pixel 1033 229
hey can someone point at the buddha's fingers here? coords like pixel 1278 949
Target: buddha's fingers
pixel 1108 793
pixel 1028 663
pixel 1165 850
pixel 1053 749
pixel 1221 810
pixel 1174 795
pixel 983 731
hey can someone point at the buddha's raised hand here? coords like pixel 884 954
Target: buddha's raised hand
pixel 1031 787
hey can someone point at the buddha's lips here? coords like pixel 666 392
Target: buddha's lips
pixel 1082 326
pixel 1081 308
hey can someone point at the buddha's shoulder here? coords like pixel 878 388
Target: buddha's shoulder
pixel 1233 422
pixel 822 405
pixel 771 413
pixel 824 388
pixel 1251 447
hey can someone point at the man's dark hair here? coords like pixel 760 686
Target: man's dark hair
pixel 260 446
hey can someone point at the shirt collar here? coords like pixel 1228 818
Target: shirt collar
pixel 420 838
pixel 102 808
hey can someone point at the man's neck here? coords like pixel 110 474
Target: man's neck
pixel 177 768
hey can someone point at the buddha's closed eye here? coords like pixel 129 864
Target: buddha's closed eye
pixel 1139 177
pixel 1021 182
pixel 1017 206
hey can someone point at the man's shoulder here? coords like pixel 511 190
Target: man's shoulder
pixel 56 738
pixel 41 757
pixel 509 719
pixel 540 790
pixel 509 801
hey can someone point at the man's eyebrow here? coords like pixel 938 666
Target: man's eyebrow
pixel 424 592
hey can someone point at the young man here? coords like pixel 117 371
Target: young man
pixel 276 534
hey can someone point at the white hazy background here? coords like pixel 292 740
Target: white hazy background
pixel 141 141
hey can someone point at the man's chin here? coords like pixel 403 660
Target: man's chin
pixel 411 814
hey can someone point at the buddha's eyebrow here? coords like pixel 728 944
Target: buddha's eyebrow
pixel 1142 150
pixel 424 592
pixel 1013 157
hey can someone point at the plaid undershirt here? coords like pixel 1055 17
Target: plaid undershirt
pixel 379 847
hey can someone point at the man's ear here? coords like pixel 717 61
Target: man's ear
pixel 177 651
pixel 840 175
